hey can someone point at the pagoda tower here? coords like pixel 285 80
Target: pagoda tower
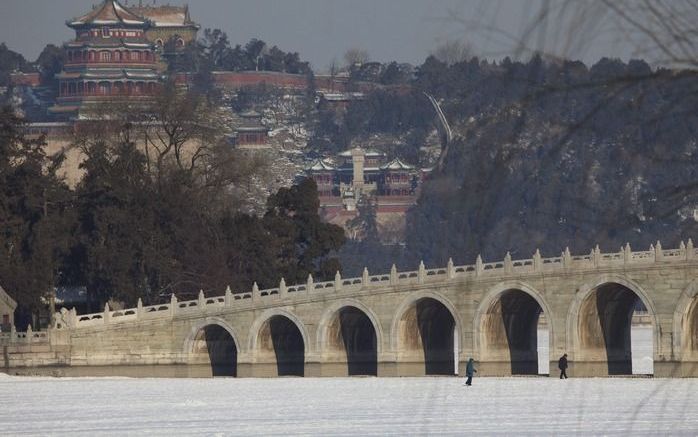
pixel 110 60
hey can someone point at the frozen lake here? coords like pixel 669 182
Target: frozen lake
pixel 347 406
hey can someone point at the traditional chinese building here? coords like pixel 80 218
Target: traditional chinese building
pixel 168 23
pixel 359 175
pixel 250 131
pixel 110 59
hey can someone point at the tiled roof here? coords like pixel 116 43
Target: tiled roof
pixel 165 16
pixel 397 164
pixel 108 13
pixel 320 165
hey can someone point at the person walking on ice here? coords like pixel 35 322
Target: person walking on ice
pixel 562 365
pixel 470 371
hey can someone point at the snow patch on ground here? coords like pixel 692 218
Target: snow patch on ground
pixel 348 406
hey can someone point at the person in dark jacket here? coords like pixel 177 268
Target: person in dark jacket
pixel 562 364
pixel 470 371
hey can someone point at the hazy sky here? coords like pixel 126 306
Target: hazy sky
pixel 320 30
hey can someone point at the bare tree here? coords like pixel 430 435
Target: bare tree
pixel 355 56
pixel 452 52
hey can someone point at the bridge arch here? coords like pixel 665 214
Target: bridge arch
pixel 351 333
pixel 280 339
pixel 599 322
pixel 505 326
pixel 685 339
pixel 213 343
pixel 427 333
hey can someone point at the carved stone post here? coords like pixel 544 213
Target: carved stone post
pixel 201 300
pixel 537 261
pixel 478 266
pixel 107 314
pixel 508 266
pixel 627 253
pixel 228 300
pixel 139 309
pixel 337 281
pixel 309 285
pixel 658 252
pixel 393 275
pixel 567 258
pixel 30 334
pixel 421 273
pixel 283 290
pixel 364 278
pixel 13 334
pixel 689 250
pixel 596 255
pixel 173 305
pixel 450 271
pixel 255 292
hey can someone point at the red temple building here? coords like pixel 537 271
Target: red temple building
pixel 110 59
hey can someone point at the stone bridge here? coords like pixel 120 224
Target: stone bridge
pixel 428 321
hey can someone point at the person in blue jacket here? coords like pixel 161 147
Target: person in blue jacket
pixel 470 371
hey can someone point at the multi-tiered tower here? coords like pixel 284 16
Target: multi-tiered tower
pixel 110 59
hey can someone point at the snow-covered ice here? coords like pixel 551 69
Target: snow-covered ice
pixel 348 406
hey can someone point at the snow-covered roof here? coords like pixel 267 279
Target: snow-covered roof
pixel 369 153
pixel 110 12
pixel 396 164
pixel 320 165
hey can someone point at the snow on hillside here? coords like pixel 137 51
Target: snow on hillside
pixel 348 406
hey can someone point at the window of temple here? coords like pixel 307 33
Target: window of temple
pixel 105 56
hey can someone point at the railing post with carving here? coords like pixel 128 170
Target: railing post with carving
pixel 508 266
pixel 228 300
pixel 337 281
pixel 139 309
pixel 537 261
pixel 689 250
pixel 73 317
pixel 255 292
pixel 173 305
pixel 107 314
pixel 450 271
pixel 309 284
pixel 30 334
pixel 627 253
pixel 283 290
pixel 682 249
pixel 478 266
pixel 421 273
pixel 567 258
pixel 364 278
pixel 13 334
pixel 652 252
pixel 201 301
pixel 596 255
pixel 658 252
pixel 393 275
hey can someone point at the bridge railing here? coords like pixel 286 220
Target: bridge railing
pixel 27 337
pixel 537 264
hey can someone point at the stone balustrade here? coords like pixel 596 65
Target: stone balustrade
pixel 29 337
pixel 595 259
